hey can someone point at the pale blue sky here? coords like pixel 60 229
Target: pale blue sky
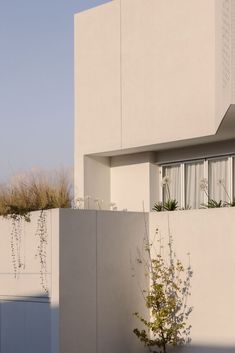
pixel 36 83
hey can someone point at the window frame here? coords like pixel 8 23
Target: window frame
pixel 161 174
pixel 231 175
pixel 230 159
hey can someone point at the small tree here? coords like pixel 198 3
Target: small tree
pixel 166 299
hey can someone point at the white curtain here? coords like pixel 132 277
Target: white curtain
pixel 218 180
pixel 173 172
pixel 233 180
pixel 194 173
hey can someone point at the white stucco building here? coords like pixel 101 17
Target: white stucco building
pixel 154 95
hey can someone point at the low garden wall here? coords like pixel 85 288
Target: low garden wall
pixel 209 236
pixel 69 281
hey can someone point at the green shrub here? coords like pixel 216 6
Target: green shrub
pixel 166 298
pixel 158 207
pixel 169 205
pixel 214 204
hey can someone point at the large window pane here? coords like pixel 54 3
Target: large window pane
pixel 173 188
pixel 194 173
pixel 218 179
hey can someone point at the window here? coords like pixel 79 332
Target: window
pixel 173 191
pixel 194 173
pixel 185 179
pixel 218 180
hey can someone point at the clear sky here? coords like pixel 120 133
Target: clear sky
pixel 36 83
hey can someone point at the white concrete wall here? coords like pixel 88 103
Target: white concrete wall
pixel 223 58
pixel 97 78
pixel 28 282
pixel 128 181
pixel 150 72
pixel 28 315
pixel 233 49
pixel 78 273
pixel 130 186
pixel 93 294
pixel 98 295
pixel 168 70
pixel 134 186
pixel 25 327
pixel 97 85
pixel 209 237
pixel 141 67
pixel 97 181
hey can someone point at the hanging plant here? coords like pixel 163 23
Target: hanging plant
pixel 16 244
pixel 41 254
pixel 33 192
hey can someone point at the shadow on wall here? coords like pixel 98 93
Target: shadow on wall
pixel 25 325
pixel 204 349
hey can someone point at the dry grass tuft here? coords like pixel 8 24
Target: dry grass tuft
pixel 31 192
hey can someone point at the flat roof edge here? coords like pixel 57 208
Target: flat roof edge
pixel 93 8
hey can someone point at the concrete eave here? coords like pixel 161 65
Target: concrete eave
pixel 225 132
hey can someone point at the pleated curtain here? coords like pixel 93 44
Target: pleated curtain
pixel 194 173
pixel 173 172
pixel 218 180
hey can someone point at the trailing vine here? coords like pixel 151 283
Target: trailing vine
pixel 42 234
pixel 16 244
pixel 16 239
pixel 27 193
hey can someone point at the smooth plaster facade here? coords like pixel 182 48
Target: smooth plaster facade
pixel 92 291
pixel 154 83
pixel 150 76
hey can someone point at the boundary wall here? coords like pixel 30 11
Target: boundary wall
pixel 92 294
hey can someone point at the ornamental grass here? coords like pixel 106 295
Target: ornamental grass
pixel 35 191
